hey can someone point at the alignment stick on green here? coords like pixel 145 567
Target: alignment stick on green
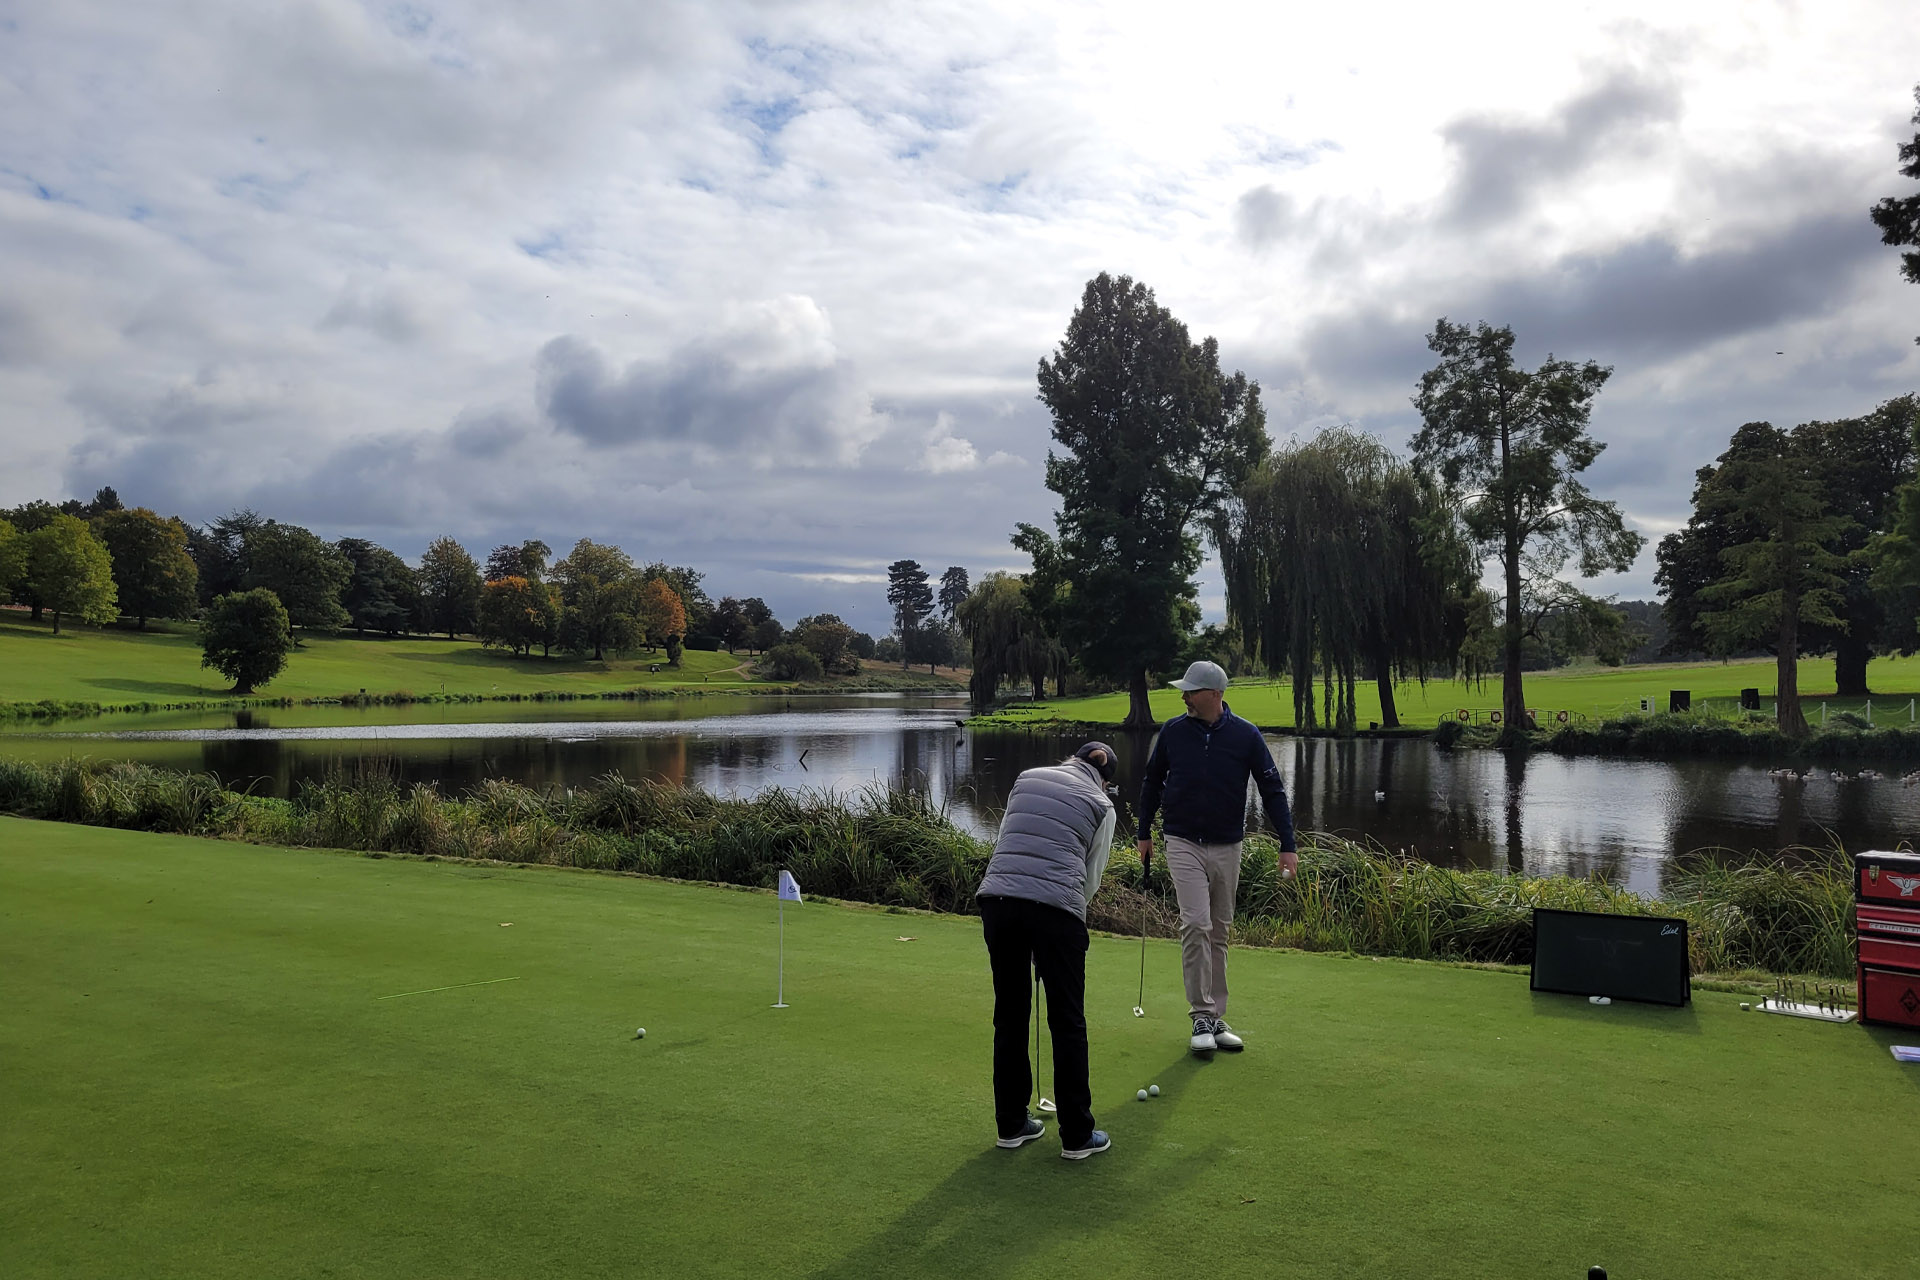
pixel 455 987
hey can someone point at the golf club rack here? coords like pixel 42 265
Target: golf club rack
pixel 1886 894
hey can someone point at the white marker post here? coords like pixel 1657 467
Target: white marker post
pixel 789 892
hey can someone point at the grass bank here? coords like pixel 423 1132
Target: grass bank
pixel 215 1068
pixel 1586 692
pixel 87 670
pixel 889 846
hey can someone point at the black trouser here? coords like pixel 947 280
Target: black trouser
pixel 1024 938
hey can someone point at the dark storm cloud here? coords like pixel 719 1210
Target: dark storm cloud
pixel 1642 301
pixel 775 390
pixel 1501 164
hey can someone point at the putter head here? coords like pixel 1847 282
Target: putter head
pixel 1138 1012
pixel 1046 1104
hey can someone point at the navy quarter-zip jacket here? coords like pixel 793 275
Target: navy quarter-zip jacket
pixel 1197 773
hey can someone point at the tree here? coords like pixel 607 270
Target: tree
pixel 1005 639
pixel 382 592
pixel 516 614
pixel 763 631
pixel 1337 555
pixel 528 560
pixel 912 599
pixel 246 637
pixel 862 645
pixel 600 597
pixel 1785 573
pixel 934 642
pixel 449 587
pixel 155 575
pixel 954 589
pixel 829 639
pixel 660 614
pixel 105 501
pixel 1153 438
pixel 693 597
pixel 69 571
pixel 1509 445
pixel 220 553
pixel 729 622
pixel 1899 219
pixel 13 558
pixel 791 662
pixel 307 574
pixel 1857 467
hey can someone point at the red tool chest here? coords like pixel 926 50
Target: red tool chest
pixel 1886 914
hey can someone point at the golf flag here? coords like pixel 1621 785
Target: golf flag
pixel 789 887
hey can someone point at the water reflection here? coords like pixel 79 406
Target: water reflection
pixel 1624 820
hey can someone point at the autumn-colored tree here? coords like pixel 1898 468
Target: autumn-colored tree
pixel 661 615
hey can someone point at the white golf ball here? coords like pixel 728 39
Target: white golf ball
pixel 1153 1090
pixel 641 1034
pixel 1142 1095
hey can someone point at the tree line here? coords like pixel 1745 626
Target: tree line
pixel 257 583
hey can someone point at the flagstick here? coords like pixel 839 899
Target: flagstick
pixel 780 997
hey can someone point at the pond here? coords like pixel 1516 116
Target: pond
pixel 1627 820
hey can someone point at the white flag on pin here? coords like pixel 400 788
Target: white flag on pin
pixel 789 887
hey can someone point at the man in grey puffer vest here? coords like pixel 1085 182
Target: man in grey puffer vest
pixel 1046 867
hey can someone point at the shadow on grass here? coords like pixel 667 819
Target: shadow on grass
pixel 1002 1207
pixel 158 688
pixel 1656 1017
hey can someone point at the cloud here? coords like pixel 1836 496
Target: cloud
pixel 946 452
pixel 1501 164
pixel 770 386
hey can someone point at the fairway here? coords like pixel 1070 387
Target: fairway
pixel 1592 691
pixel 163 665
pixel 204 1079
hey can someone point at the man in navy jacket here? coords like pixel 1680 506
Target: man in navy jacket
pixel 1197 776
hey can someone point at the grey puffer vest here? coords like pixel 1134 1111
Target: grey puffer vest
pixel 1041 855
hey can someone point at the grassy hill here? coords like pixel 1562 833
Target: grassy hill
pixel 223 1060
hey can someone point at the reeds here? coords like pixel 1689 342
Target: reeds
pixel 892 845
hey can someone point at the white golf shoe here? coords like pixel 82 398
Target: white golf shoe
pixel 1203 1041
pixel 1223 1037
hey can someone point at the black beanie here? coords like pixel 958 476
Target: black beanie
pixel 1086 753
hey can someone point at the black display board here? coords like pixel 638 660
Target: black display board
pixel 1586 953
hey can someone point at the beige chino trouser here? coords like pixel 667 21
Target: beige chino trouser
pixel 1206 879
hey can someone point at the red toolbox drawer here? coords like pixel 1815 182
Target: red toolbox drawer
pixel 1892 878
pixel 1889 996
pixel 1889 936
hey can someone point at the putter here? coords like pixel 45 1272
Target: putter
pixel 1046 1103
pixel 1141 999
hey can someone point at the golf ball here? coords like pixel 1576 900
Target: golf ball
pixel 641 1034
pixel 1142 1095
pixel 1153 1090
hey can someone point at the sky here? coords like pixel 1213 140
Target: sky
pixel 762 287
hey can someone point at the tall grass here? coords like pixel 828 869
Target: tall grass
pixel 892 845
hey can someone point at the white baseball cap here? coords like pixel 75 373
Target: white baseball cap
pixel 1202 675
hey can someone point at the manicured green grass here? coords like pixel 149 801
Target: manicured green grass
pixel 202 1079
pixel 1596 692
pixel 113 666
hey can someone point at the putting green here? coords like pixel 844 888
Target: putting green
pixel 203 1079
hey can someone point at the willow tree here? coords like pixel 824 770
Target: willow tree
pixel 1006 638
pixel 1341 559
